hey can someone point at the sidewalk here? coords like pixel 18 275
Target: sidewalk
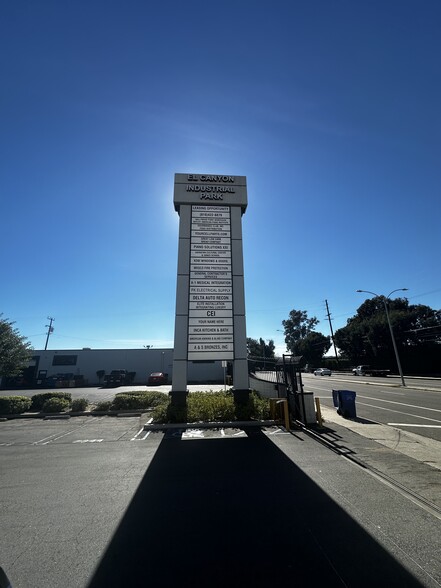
pixel 411 460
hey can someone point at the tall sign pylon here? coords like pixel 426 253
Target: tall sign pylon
pixel 210 298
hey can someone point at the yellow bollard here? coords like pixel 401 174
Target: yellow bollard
pixel 286 415
pixel 319 412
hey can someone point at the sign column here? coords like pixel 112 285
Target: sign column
pixel 210 301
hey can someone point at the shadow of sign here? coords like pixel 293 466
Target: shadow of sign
pixel 239 512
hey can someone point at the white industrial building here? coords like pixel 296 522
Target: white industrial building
pixel 86 365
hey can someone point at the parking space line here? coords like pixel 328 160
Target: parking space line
pixel 88 441
pixel 140 431
pixel 54 437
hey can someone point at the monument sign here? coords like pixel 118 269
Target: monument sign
pixel 210 301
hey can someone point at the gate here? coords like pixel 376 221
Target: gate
pixel 290 386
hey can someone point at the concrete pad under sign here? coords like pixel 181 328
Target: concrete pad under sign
pixel 211 425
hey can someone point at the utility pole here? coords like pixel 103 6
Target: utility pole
pixel 50 329
pixel 332 330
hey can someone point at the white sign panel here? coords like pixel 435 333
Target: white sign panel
pixel 210 332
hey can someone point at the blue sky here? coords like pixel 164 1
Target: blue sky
pixel 330 108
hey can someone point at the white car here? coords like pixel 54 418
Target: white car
pixel 322 372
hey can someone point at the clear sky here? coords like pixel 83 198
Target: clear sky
pixel 331 108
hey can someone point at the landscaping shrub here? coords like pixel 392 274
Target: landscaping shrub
pixel 14 404
pixel 79 404
pixel 213 407
pixel 38 400
pixel 103 406
pixel 56 404
pixel 138 400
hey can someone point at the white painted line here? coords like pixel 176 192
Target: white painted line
pixel 88 441
pixel 59 437
pixel 416 416
pixel 140 431
pixel 44 439
pixel 395 393
pixel 146 435
pixel 400 403
pixel 49 438
pixel 191 434
pixel 412 425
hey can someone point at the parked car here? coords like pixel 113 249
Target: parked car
pixel 322 372
pixel 116 378
pixel 365 370
pixel 157 378
pixel 59 380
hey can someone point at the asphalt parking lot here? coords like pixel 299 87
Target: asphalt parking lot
pixel 99 501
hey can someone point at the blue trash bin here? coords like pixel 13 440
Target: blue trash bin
pixel 346 404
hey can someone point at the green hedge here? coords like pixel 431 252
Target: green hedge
pixel 138 400
pixel 38 400
pixel 102 406
pixel 14 404
pixel 56 404
pixel 79 404
pixel 213 407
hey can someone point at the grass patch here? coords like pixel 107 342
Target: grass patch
pixel 213 407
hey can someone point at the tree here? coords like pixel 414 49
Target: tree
pixel 417 330
pixel 15 351
pixel 297 327
pixel 302 339
pixel 261 353
pixel 313 347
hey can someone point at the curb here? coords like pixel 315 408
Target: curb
pixel 358 381
pixel 422 449
pixel 211 425
pixel 54 415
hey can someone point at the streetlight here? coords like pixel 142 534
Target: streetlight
pixel 384 298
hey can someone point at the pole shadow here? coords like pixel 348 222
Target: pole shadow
pixel 238 512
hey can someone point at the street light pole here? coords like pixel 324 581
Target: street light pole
pixel 385 298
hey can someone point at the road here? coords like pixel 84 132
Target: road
pixel 382 400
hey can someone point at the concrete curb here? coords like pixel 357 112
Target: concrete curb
pixel 44 415
pixel 421 448
pixel 211 425
pixel 389 385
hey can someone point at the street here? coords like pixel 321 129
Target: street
pixel 382 400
